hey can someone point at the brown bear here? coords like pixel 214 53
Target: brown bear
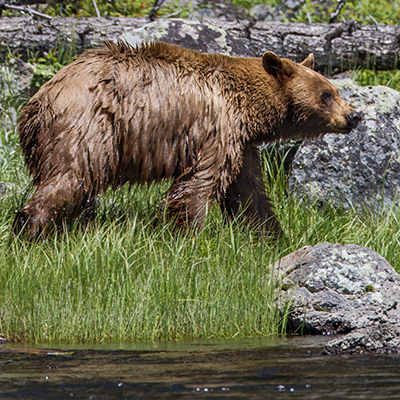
pixel 121 114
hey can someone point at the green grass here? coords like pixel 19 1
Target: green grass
pixel 128 281
pixel 367 77
pixel 251 3
pixel 362 11
pixel 130 277
pixel 126 278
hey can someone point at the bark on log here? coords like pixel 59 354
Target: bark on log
pixel 337 47
pixel 27 36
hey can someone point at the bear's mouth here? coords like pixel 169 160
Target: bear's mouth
pixel 347 124
pixel 344 130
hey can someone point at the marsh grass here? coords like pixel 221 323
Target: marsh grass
pixel 126 280
pixel 131 276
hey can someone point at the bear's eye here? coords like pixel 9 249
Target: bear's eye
pixel 326 95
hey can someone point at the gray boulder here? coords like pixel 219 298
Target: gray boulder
pixel 374 339
pixel 194 35
pixel 15 78
pixel 338 289
pixel 360 170
pixel 5 188
pixel 288 10
pixel 263 12
pixel 203 10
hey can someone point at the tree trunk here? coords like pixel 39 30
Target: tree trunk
pixel 337 47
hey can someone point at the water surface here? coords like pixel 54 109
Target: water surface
pixel 249 368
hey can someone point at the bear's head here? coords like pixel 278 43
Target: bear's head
pixel 312 104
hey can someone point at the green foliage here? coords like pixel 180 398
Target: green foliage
pixel 11 165
pixel 367 77
pixel 251 3
pixel 362 11
pixel 47 66
pixel 306 223
pixel 127 280
pixel 383 12
pixel 114 8
pixel 44 70
pixel 318 12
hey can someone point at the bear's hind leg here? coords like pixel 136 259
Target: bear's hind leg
pixel 56 201
pixel 247 194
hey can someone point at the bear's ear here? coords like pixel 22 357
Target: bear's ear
pixel 275 66
pixel 309 61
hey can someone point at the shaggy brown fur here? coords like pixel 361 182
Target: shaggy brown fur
pixel 138 115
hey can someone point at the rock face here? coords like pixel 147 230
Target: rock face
pixel 222 9
pixel 338 289
pixel 359 170
pixel 286 10
pixel 194 35
pixel 374 339
pixel 15 77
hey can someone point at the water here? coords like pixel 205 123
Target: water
pixel 250 368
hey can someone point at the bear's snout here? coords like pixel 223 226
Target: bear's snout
pixel 353 119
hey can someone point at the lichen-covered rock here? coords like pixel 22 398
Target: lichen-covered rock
pixel 290 9
pixel 6 187
pixel 193 35
pixel 338 288
pixel 359 170
pixel 378 338
pixel 222 9
pixel 15 78
pixel 263 12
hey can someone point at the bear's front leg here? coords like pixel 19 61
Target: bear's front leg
pixel 247 194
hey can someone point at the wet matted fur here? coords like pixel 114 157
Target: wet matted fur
pixel 121 114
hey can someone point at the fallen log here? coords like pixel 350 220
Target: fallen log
pixel 337 47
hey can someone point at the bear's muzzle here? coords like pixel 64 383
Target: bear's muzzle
pixel 353 119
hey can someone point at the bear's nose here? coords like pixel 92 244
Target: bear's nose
pixel 353 119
